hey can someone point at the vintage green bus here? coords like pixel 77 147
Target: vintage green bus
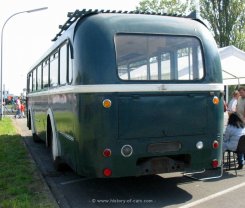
pixel 128 94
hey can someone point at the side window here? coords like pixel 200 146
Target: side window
pixel 69 65
pixel 34 79
pixel 39 77
pixel 63 64
pixel 46 73
pixel 54 70
pixel 54 66
pixel 29 82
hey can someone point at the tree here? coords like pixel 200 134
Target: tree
pixel 165 6
pixel 226 18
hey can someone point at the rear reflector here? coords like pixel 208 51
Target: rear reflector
pixel 107 153
pixel 127 150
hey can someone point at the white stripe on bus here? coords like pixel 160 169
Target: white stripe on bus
pixel 110 88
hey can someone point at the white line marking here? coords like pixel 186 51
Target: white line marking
pixel 192 204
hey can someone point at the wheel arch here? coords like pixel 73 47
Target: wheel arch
pixel 52 135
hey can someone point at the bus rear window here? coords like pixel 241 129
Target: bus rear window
pixel 158 57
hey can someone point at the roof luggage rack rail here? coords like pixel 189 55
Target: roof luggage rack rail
pixel 73 16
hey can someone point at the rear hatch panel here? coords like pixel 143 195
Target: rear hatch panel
pixel 157 115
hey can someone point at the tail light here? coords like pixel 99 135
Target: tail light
pixel 107 172
pixel 215 144
pixel 215 163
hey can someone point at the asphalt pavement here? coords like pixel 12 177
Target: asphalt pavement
pixel 166 190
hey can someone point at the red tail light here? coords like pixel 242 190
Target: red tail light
pixel 215 163
pixel 215 144
pixel 107 172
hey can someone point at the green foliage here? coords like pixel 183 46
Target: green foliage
pixel 226 20
pixel 165 6
pixel 20 185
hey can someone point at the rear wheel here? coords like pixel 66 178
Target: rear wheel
pixel 31 126
pixel 59 164
pixel 29 121
pixel 35 138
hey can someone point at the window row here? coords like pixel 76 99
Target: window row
pixel 53 71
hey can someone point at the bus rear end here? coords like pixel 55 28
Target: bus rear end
pixel 157 96
pixel 172 118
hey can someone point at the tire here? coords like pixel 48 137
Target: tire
pixel 35 138
pixel 29 121
pixel 58 163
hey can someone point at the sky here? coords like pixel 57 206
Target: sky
pixel 27 36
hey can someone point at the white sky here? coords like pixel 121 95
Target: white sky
pixel 27 36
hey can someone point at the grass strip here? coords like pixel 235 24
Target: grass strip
pixel 20 184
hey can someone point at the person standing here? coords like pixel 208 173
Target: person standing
pixel 18 107
pixel 233 102
pixel 240 109
pixel 22 110
pixel 241 112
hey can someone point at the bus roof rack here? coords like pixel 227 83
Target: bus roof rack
pixel 73 16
